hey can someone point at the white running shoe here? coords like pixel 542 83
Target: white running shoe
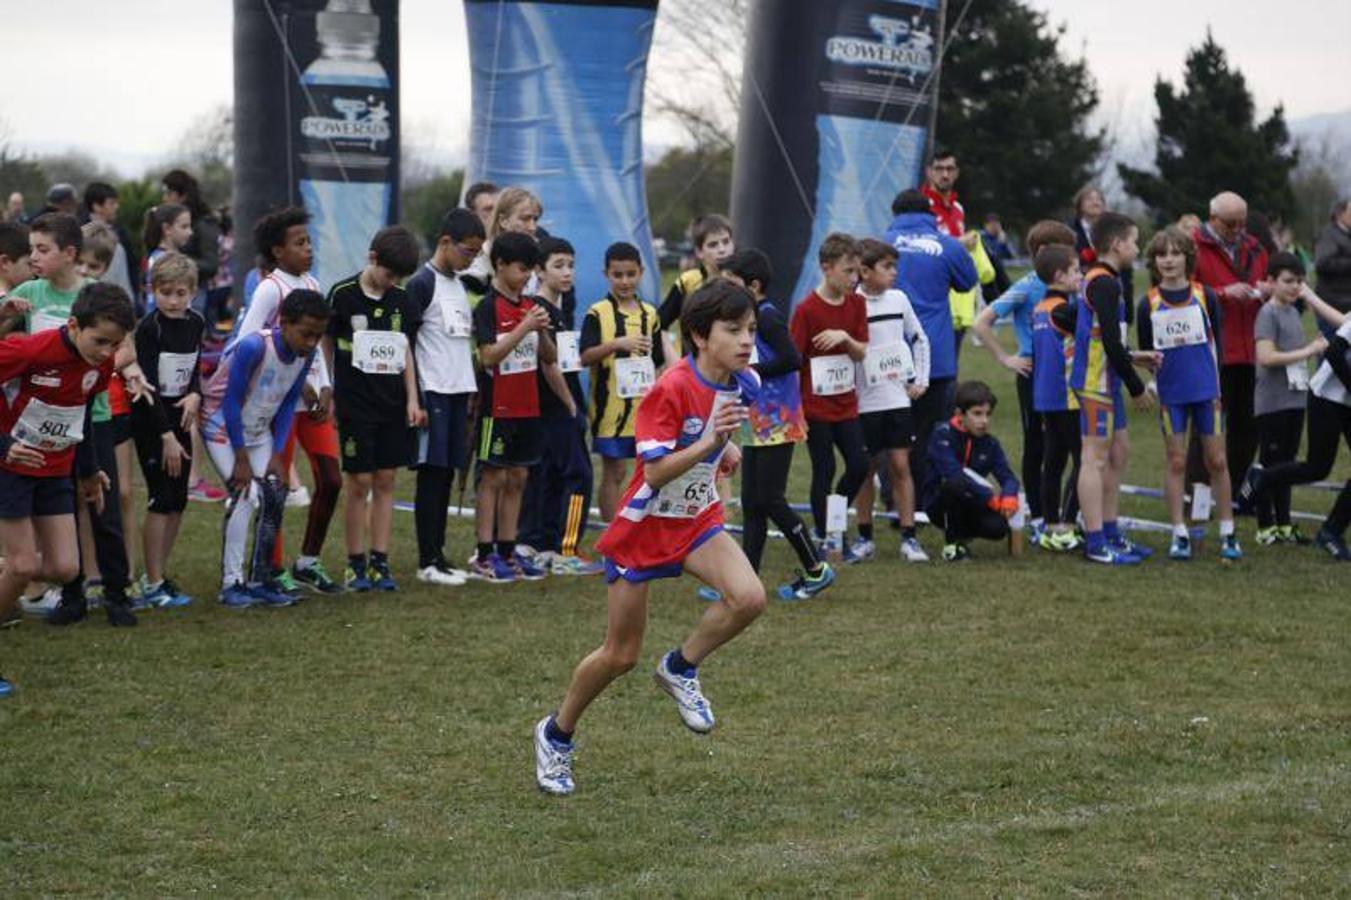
pixel 862 549
pixel 911 551
pixel 445 576
pixel 553 762
pixel 300 497
pixel 41 605
pixel 688 696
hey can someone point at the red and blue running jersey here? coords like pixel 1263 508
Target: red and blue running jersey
pixel 657 527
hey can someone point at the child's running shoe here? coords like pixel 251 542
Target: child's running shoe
pixel 1036 529
pixel 1230 551
pixel 553 762
pixel 204 491
pixel 911 551
pixel 708 594
pixel 806 586
pixel 315 577
pixel 862 549
pixel 493 570
pixel 380 577
pixel 956 553
pixel 575 565
pixel 1060 541
pixel 6 687
pixel 525 568
pixel 270 593
pixel 1180 548
pixel 356 579
pixel 298 498
pixel 1290 534
pixel 1112 555
pixel 1333 545
pixel 1128 547
pixel 42 604
pixel 119 613
pixel 236 596
pixel 441 573
pixel 283 579
pixel 93 592
pixel 163 596
pixel 1268 536
pixel 688 696
pixel 69 611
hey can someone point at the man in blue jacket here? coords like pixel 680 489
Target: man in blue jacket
pixel 930 265
pixel 962 455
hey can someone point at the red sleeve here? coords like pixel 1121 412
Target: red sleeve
pixel 105 376
pixel 858 318
pixel 657 426
pixel 799 330
pixel 19 352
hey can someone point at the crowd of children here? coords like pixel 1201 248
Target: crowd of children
pixel 471 364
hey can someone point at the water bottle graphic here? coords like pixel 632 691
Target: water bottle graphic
pixel 346 139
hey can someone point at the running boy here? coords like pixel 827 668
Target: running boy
pixel 370 342
pixel 57 373
pixel 512 333
pixel 775 424
pixel 445 371
pixel 247 415
pixel 894 372
pixel 1179 318
pixel 830 331
pixel 672 520
pixel 963 455
pixel 621 345
pixel 1102 364
pixel 1054 408
pixel 168 345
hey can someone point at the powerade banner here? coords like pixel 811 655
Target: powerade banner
pixel 317 121
pixel 836 107
pixel 558 109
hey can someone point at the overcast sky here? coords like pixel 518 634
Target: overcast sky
pixel 124 85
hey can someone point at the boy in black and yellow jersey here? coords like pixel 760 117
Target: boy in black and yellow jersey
pixel 621 344
pixel 711 236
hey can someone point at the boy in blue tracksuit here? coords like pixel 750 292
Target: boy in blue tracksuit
pixel 961 456
pixel 930 263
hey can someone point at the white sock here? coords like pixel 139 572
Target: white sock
pixel 1181 531
pixel 305 562
pixel 1226 527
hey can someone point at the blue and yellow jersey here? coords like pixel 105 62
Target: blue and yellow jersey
pixel 1053 354
pixel 1178 324
pixel 1092 372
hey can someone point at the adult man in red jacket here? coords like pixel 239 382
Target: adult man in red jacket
pixel 1233 264
pixel 938 187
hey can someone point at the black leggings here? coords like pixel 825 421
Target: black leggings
pixel 1237 383
pixel 1033 447
pixel 1063 443
pixel 1279 433
pixel 764 480
pixel 822 440
pixel 965 515
pixel 1329 423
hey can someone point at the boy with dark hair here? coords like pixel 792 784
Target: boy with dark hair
pixel 247 414
pixel 57 374
pixel 512 333
pixel 711 236
pixel 481 200
pixel 282 238
pixel 775 424
pixel 1054 407
pixel 1180 319
pixel 1103 363
pixel 102 202
pixel 963 455
pixel 558 489
pixel 1282 391
pixel 894 372
pixel 445 369
pixel 168 344
pixel 672 520
pixel 621 344
pixel 830 331
pixel 14 252
pixel 1019 303
pixel 369 345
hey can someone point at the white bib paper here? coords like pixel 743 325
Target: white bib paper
pixel 49 427
pixel 1178 327
pixel 43 321
pixel 380 352
pixel 1297 376
pixel 569 351
pixel 634 376
pixel 889 363
pixel 455 317
pixel 175 373
pixel 689 494
pixel 524 357
pixel 832 375
pixel 837 514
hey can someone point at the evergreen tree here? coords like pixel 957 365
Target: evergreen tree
pixel 1209 141
pixel 1015 109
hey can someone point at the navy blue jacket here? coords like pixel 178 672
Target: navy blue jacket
pixel 931 264
pixel 951 450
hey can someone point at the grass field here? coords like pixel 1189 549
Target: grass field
pixel 1028 726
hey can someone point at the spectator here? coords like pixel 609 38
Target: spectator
pixel 1233 264
pixel 995 238
pixel 1188 222
pixel 204 248
pixel 947 210
pixel 481 200
pixel 61 198
pixel 1089 205
pixel 14 211
pixel 1332 261
pixel 101 202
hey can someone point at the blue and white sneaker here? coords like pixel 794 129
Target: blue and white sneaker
pixel 527 569
pixel 356 580
pixel 1230 551
pixel 271 594
pixel 708 594
pixel 688 696
pixel 1112 556
pixel 805 586
pixel 6 687
pixel 381 578
pixel 162 596
pixel 553 762
pixel 493 570
pixel 862 549
pixel 236 596
pixel 1180 548
pixel 1128 547
pixel 1332 544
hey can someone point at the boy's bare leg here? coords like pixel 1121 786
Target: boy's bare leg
pixel 1093 479
pixel 1217 465
pixel 382 509
pixel 613 475
pixel 490 484
pixel 509 505
pixel 1176 447
pixel 902 487
pixel 720 564
pixel 126 499
pixel 1112 475
pixel 155 544
pixel 354 511
pixel 866 497
pixel 624 627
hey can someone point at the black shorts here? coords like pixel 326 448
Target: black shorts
pixel 164 493
pixel 888 429
pixel 26 496
pixel 371 446
pixel 509 443
pixel 122 429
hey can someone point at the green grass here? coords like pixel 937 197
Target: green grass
pixel 1015 726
